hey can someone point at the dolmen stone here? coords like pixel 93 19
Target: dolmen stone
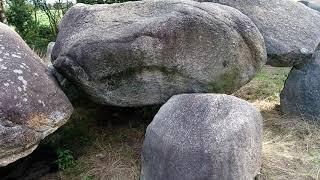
pixel 31 104
pixel 301 93
pixel 142 53
pixel 290 29
pixel 203 136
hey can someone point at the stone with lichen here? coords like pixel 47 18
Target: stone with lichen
pixel 203 136
pixel 142 53
pixel 31 104
pixel 290 29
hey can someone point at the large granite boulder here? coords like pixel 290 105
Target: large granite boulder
pixel 31 104
pixel 301 93
pixel 142 53
pixel 203 136
pixel 290 29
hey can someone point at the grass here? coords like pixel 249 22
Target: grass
pixel 291 145
pixel 106 143
pixel 104 147
pixel 266 86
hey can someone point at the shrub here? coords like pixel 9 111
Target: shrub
pixel 65 159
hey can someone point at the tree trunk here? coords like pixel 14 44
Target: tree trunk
pixel 2 15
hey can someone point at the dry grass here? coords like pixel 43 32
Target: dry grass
pixel 291 145
pixel 114 155
pixel 110 162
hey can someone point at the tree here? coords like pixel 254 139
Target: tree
pixel 19 14
pixel 2 15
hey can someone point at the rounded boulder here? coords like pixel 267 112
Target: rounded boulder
pixel 142 53
pixel 203 136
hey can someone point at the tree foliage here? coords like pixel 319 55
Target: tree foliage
pixel 35 20
pixel 27 18
pixel 2 15
pixel 19 15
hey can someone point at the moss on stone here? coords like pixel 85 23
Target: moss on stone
pixel 226 83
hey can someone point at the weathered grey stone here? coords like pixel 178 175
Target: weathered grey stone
pixel 71 91
pixel 31 104
pixel 313 4
pixel 291 30
pixel 49 52
pixel 203 136
pixel 142 53
pixel 301 93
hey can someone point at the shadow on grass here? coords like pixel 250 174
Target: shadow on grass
pixel 94 137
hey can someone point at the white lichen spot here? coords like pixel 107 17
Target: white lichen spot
pixel 15 55
pixel 57 116
pixel 19 89
pixel 25 99
pixel 41 102
pixel 2 67
pixel 19 105
pixel 304 51
pixel 22 80
pixel 36 74
pixel 3 48
pixel 22 66
pixel 17 71
pixel 6 84
pixel 14 97
pixel 1 59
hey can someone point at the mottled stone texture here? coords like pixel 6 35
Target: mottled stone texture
pixel 203 137
pixel 290 29
pixel 301 93
pixel 142 53
pixel 31 104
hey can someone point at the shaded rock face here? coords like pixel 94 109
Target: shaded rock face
pixel 315 4
pixel 301 93
pixel 31 104
pixel 71 91
pixel 290 29
pixel 203 136
pixel 142 53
